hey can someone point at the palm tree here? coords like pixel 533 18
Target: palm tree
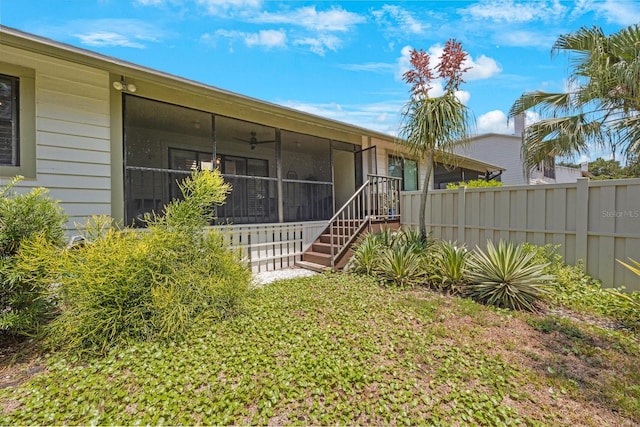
pixel 601 107
pixel 435 125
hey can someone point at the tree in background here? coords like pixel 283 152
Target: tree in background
pixel 602 106
pixel 434 124
pixel 610 169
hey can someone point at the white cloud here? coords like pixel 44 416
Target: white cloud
pixel 523 38
pixel 493 122
pixel 223 7
pixel 374 67
pixel 100 38
pixel 481 68
pixel 399 19
pixel 265 38
pixel 320 43
pixel 381 117
pixel 512 12
pixel 622 12
pixel 496 121
pixel 131 33
pixel 463 96
pixel 334 19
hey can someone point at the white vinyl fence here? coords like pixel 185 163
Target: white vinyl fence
pixel 594 221
pixel 270 247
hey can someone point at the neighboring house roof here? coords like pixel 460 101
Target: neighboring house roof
pixel 45 46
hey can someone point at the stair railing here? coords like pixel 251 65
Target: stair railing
pixel 378 198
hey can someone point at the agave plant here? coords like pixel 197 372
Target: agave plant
pixel 402 266
pixel 505 276
pixel 409 236
pixel 366 256
pixel 449 263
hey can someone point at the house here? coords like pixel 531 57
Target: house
pixel 505 150
pixel 111 137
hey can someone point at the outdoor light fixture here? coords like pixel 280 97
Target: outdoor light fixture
pixel 124 86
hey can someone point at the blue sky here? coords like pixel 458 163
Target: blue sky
pixel 338 59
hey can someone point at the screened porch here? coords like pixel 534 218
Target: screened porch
pixel 276 175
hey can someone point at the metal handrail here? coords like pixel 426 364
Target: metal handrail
pixel 358 211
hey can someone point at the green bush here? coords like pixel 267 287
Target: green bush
pixel 506 276
pixel 151 284
pixel 31 234
pixel 576 290
pixel 476 183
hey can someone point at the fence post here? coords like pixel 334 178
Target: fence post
pixel 582 219
pixel 461 214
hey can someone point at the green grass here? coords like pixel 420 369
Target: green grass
pixel 339 349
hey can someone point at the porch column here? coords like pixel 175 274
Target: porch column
pixel 280 190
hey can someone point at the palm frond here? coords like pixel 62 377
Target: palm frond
pixel 562 136
pixel 435 124
pixel 542 101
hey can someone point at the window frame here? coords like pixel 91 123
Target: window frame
pixel 402 160
pixel 26 123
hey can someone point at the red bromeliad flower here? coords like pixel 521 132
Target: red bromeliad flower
pixel 450 69
pixel 420 75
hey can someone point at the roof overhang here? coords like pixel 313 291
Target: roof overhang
pixel 473 164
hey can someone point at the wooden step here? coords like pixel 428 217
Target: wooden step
pixel 312 266
pixel 317 258
pixel 326 238
pixel 324 248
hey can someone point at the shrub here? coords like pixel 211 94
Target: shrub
pixel 576 290
pixel 151 284
pixel 25 215
pixel 476 183
pixel 31 234
pixel 449 266
pixel 506 277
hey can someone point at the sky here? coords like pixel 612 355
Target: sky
pixel 338 59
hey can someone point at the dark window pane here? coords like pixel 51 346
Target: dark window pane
pixel 9 121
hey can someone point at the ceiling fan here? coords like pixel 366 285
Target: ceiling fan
pixel 253 140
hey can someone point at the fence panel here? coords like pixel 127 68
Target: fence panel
pixel 269 247
pixel 597 222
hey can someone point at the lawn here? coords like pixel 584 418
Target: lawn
pixel 340 349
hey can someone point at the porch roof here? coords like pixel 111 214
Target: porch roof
pixel 473 164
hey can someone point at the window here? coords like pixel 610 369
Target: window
pixel 407 169
pixel 17 121
pixel 9 123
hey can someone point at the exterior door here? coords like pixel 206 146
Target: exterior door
pixel 365 164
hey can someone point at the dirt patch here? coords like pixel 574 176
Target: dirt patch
pixel 20 359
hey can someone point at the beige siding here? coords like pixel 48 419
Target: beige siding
pixel 72 133
pixel 594 221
